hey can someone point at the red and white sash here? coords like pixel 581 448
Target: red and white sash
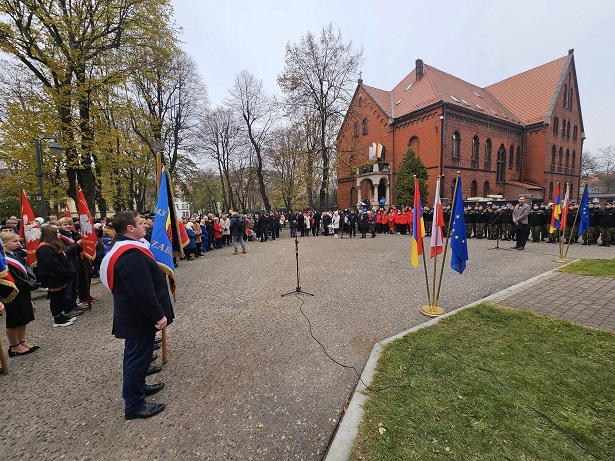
pixel 17 265
pixel 107 265
pixel 68 240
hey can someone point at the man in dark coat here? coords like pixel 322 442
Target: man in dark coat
pixel 141 307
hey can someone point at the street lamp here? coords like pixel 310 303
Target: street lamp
pixel 56 148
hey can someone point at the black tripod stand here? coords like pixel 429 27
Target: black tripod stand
pixel 298 289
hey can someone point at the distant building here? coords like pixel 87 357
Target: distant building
pixel 522 135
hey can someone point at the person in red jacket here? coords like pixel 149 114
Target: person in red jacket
pixel 392 215
pixel 217 233
pixel 409 219
pixel 385 222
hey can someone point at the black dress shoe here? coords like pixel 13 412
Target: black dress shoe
pixel 154 357
pixel 151 389
pixel 146 411
pixel 153 369
pixel 514 248
pixel 156 346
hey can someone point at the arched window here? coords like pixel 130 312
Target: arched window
pixel 570 100
pixel 568 129
pixel 486 189
pixel 488 154
pixel 574 160
pixel 356 129
pixel 551 190
pixel 561 159
pixel 575 133
pixel 473 189
pixel 565 95
pixel 500 173
pixel 567 158
pixel 518 158
pixel 553 154
pixel 564 128
pixel 511 154
pixel 360 100
pixel 414 145
pixel 475 147
pixel 555 125
pixel 365 126
pixel 456 145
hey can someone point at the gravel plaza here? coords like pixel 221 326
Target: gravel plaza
pixel 245 380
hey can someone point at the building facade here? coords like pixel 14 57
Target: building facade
pixel 522 135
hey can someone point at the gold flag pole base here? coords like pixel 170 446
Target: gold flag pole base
pixel 560 260
pixel 432 311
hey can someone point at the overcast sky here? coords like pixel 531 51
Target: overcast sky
pixel 481 42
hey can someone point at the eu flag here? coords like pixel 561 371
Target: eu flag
pixel 584 210
pixel 459 244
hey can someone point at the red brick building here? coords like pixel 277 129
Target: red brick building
pixel 522 135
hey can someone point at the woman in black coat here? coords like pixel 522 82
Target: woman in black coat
pixel 54 272
pixel 19 310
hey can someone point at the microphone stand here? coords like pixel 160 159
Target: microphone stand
pixel 298 288
pixel 497 238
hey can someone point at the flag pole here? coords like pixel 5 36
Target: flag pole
pixel 423 248
pixel 574 223
pixel 562 232
pixel 163 347
pixel 435 260
pixel 448 236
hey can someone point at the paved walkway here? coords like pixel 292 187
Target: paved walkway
pixel 581 299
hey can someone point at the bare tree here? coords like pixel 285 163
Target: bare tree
pixel 606 164
pixel 288 162
pixel 319 76
pixel 220 139
pixel 257 111
pixel 589 165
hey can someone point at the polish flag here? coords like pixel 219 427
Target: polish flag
pixel 437 224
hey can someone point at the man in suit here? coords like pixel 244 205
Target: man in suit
pixel 520 218
pixel 141 307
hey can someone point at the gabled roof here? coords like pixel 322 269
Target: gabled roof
pixel 523 99
pixel 531 95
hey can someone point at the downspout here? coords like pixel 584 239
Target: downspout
pixel 442 128
pixel 521 179
pixel 392 162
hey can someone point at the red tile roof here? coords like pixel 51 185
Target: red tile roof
pixel 531 94
pixel 522 99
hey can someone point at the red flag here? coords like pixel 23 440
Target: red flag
pixel 88 235
pixel 183 235
pixel 29 230
pixel 67 213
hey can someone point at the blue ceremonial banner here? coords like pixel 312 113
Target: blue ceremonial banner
pixel 160 245
pixel 459 244
pixel 584 210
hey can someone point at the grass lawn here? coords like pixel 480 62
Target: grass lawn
pixel 493 384
pixel 598 267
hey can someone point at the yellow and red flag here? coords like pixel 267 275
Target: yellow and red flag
pixel 418 226
pixel 29 230
pixel 88 234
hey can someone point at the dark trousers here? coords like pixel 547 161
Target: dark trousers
pixel 137 357
pixel 56 301
pixel 71 293
pixel 522 230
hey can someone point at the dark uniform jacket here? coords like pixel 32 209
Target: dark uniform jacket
pixel 140 295
pixel 54 269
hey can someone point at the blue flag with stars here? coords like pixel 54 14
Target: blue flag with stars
pixel 459 244
pixel 584 210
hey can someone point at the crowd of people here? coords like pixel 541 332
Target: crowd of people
pixel 62 269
